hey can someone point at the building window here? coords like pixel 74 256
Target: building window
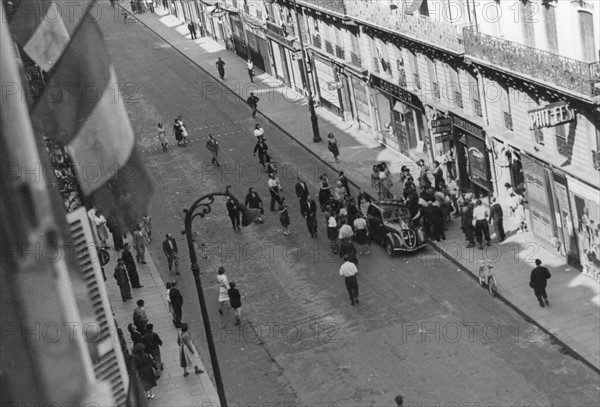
pixel 506 112
pixel 414 67
pixel 454 91
pixel 550 26
pixel 562 143
pixel 596 152
pixel 586 27
pixel 528 19
pixel 433 77
pixel 538 135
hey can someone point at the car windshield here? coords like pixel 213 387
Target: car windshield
pixel 395 213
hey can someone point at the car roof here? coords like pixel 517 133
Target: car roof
pixel 394 202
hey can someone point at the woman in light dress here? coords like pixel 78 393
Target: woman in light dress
pixel 188 354
pixel 223 288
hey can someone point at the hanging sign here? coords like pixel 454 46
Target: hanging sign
pixel 441 126
pixel 551 115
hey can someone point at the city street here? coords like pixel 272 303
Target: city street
pixel 423 329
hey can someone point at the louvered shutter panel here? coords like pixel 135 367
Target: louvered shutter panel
pixel 109 365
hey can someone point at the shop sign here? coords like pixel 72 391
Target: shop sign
pixel 467 126
pixel 443 138
pixel 441 126
pixel 551 115
pixel 396 91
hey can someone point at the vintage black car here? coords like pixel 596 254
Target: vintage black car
pixel 390 224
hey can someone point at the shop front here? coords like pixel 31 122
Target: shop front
pixel 399 118
pixel 443 141
pixel 328 85
pixel 258 47
pixel 471 156
pixel 239 38
pixel 286 55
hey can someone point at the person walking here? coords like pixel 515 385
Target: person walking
pixel 253 103
pixel 516 206
pixel 140 319
pixel 466 220
pixel 234 213
pixel 223 288
pixel 220 64
pixel 274 189
pixel 212 145
pixel 162 137
pixel 480 221
pixel 250 67
pixel 301 190
pixel 259 132
pixel 344 182
pixel 122 281
pixel 235 301
pixel 127 257
pixel 152 342
pixel 348 270
pixel 495 217
pixel 188 353
pixel 177 303
pixel 538 281
pixel 284 219
pixel 262 149
pixel 147 223
pixel 139 244
pixel 437 222
pixel 171 252
pixel 324 191
pixel 332 145
pixel 145 367
pixel 192 28
pixel 309 212
pixel 361 233
pixel 253 201
pixel 113 225
pixel 133 6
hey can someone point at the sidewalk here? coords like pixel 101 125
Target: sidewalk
pixel 173 389
pixel 573 318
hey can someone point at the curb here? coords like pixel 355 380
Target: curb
pixel 566 349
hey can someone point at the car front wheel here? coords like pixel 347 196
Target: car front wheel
pixel 389 248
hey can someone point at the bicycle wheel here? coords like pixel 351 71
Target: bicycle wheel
pixel 492 287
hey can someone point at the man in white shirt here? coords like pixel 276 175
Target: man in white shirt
pixel 259 132
pixel 274 189
pixel 348 270
pixel 480 220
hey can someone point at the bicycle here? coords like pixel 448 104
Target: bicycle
pixel 487 277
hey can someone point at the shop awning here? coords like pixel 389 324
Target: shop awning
pixel 414 7
pixel 401 108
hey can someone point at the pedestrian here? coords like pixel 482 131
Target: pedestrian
pixel 495 217
pixel 113 225
pixel 324 191
pixel 102 230
pixel 150 5
pixel 284 219
pixel 183 131
pixel 139 245
pixel 127 257
pixel 301 190
pixel 136 336
pixel 437 222
pixel 362 235
pixel 192 28
pixel 212 145
pixel 348 249
pixel 171 309
pixel 332 145
pixel 152 342
pixel 466 222
pixel 220 64
pixel 262 149
pixel 112 3
pixel 177 303
pixel 172 253
pixel 177 133
pixel 538 281
pixel 145 367
pixel 253 201
pixel 348 270
pixel 162 137
pixel 133 6
pixel 399 401
pixel 438 175
pixel 480 222
pixel 516 205
pixel 309 212
pixel 122 281
pixel 253 103
pixel 147 222
pixel 234 213
pixel 188 353
pixel 363 200
pixel 250 66
pixel 272 168
pixel 140 319
pixel 259 132
pixel 339 192
pixel 223 288
pixel 125 16
pixel 274 189
pixel 332 233
pixel 344 182
pixel 235 301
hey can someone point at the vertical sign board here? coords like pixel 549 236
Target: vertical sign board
pixel 564 221
pixel 477 157
pixel 537 195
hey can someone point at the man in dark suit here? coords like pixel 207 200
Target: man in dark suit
pixel 467 224
pixel 308 207
pixel 127 257
pixel 176 303
pixel 496 217
pixel 170 250
pixel 122 280
pixel 301 190
pixel 538 281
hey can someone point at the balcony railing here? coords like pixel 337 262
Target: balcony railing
pixel 508 122
pixel 328 47
pixel 340 52
pixel 316 41
pixel 336 6
pixel 546 67
pixel 433 31
pixel 356 60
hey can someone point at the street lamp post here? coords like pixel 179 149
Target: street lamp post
pixel 311 102
pixel 203 205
